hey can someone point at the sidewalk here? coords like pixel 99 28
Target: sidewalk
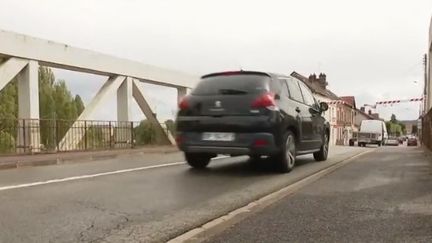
pixel 383 196
pixel 16 161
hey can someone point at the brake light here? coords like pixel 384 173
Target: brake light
pixel 264 101
pixel 184 103
pixel 179 140
pixel 260 143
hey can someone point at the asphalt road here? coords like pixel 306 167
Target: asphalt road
pixel 384 196
pixel 103 202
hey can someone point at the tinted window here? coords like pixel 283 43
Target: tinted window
pixel 307 94
pixel 294 90
pixel 232 85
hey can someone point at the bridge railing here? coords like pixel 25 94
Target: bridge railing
pixel 29 136
pixel 427 130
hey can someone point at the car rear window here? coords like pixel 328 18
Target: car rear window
pixel 232 85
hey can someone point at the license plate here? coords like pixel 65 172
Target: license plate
pixel 218 136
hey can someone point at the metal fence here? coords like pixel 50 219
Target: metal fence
pixel 426 130
pixel 45 136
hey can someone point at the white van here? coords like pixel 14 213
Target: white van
pixel 372 132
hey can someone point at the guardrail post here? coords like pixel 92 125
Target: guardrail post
pixel 24 137
pixel 110 135
pixel 132 135
pixel 85 135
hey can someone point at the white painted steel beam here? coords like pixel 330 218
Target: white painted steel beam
pixel 9 69
pixel 138 94
pixel 124 100
pixel 58 55
pixel 28 91
pixel 123 136
pixel 181 92
pixel 28 108
pixel 71 140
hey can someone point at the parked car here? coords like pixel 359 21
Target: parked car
pixel 251 113
pixel 412 141
pixel 372 132
pixel 392 141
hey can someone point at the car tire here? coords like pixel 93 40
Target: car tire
pixel 323 153
pixel 197 160
pixel 285 160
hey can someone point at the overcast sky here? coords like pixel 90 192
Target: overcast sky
pixel 370 49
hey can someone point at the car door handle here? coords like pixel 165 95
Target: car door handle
pixel 297 109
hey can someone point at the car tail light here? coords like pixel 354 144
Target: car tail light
pixel 184 103
pixel 179 139
pixel 264 101
pixel 260 142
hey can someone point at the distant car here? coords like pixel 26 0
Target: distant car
pixel 412 141
pixel 392 141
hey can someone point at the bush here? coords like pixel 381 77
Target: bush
pixel 7 142
pixel 145 133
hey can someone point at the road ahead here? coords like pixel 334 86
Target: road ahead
pixel 384 196
pixel 144 199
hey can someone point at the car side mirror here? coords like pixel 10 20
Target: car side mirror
pixel 323 106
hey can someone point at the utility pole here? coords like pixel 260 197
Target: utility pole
pixel 425 86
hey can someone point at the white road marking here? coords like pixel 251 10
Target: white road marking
pixel 81 177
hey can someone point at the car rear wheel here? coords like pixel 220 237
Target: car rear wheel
pixel 323 153
pixel 197 160
pixel 285 160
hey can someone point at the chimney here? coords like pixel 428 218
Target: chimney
pixel 322 80
pixel 370 112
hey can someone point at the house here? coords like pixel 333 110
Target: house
pixel 410 126
pixel 359 116
pixel 343 127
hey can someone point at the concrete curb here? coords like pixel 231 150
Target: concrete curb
pixel 14 162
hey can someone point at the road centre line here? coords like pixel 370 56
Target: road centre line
pixel 81 177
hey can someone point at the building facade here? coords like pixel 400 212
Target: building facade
pixel 343 125
pixel 428 83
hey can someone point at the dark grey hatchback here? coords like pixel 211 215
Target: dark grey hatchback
pixel 251 113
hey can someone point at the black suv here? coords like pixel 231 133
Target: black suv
pixel 251 113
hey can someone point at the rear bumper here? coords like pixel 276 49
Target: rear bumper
pixel 244 144
pixel 368 141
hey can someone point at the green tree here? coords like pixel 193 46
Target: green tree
pixel 7 142
pixel 55 102
pixel 8 113
pixel 403 127
pixel 145 133
pixel 393 118
pixel 414 129
pixel 170 124
pixel 388 126
pixel 79 104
